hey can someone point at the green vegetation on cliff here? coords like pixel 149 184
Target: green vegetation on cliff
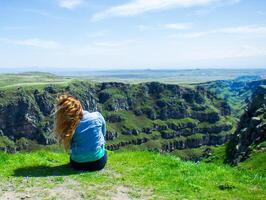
pixel 236 92
pixel 250 135
pixel 185 121
pixel 151 116
pixel 256 162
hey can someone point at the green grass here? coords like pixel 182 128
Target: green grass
pixel 196 136
pixel 189 154
pixel 182 122
pixel 6 142
pixel 257 159
pixel 217 154
pixel 131 121
pixel 256 162
pixel 144 174
pixel 35 80
pixel 207 154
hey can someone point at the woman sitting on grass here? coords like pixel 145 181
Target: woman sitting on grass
pixel 82 132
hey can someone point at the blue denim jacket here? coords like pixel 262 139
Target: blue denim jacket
pixel 87 143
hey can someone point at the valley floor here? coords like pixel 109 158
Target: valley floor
pixel 128 175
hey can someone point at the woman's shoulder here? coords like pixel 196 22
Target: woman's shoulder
pixel 91 115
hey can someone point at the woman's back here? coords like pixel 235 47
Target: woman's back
pixel 87 143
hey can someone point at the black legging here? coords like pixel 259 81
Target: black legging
pixel 90 166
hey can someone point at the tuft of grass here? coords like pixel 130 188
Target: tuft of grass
pixel 256 161
pixel 217 154
pixel 189 154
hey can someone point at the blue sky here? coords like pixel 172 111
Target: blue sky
pixel 132 34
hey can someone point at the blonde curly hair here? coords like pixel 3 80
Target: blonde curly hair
pixel 67 117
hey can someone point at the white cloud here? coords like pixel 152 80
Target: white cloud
pixel 100 33
pixel 41 13
pixel 34 42
pixel 244 29
pixel 177 26
pixel 242 51
pixel 51 44
pixel 251 29
pixel 192 34
pixel 170 26
pixel 112 43
pixel 249 51
pixel 141 6
pixel 69 4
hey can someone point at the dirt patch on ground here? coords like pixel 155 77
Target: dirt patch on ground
pixel 122 193
pixel 128 193
pixel 67 190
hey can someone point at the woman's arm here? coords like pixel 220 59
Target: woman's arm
pixel 103 124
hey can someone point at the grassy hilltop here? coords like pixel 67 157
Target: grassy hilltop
pixel 128 175
pixel 192 122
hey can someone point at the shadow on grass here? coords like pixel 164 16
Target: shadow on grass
pixel 44 171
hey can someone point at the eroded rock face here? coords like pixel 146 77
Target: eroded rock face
pixel 29 113
pixel 234 91
pixel 20 119
pixel 45 101
pixel 251 129
pixel 111 135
